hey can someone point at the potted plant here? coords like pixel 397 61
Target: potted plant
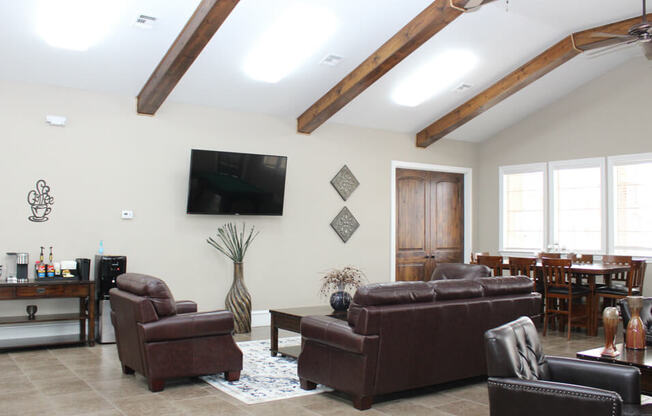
pixel 233 243
pixel 336 282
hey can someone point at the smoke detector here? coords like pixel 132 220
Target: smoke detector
pixel 144 22
pixel 331 60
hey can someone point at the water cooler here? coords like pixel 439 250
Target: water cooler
pixel 107 268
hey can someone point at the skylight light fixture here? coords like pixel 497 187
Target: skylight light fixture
pixel 295 36
pixel 75 24
pixel 434 77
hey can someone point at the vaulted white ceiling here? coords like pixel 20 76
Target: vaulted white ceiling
pixel 503 35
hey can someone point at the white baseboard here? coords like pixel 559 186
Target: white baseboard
pixel 260 318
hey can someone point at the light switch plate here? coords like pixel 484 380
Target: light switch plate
pixel 127 214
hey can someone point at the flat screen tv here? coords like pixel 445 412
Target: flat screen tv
pixel 236 183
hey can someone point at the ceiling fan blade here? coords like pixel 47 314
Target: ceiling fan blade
pixel 609 35
pixel 609 49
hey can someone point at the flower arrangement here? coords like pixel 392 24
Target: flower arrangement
pixel 232 242
pixel 334 280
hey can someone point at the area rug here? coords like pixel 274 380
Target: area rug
pixel 264 378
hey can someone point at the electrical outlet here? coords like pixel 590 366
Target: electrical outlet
pixel 127 214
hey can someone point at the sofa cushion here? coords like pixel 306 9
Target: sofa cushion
pixel 393 293
pixel 151 287
pixel 500 286
pixel 456 289
pixel 460 271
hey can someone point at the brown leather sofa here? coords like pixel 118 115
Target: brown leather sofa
pixel 401 336
pixel 524 381
pixel 163 339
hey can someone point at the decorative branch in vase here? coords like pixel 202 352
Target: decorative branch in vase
pixel 233 243
pixel 336 282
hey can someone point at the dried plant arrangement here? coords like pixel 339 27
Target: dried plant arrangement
pixel 335 280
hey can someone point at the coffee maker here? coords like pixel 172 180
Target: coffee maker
pixel 22 263
pixel 107 268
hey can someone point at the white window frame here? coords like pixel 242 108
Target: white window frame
pixel 612 162
pixel 515 169
pixel 578 164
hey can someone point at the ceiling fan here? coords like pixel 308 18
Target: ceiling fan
pixel 640 33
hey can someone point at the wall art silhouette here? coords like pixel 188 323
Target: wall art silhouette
pixel 40 201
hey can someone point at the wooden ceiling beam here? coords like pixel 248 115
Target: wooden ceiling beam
pixel 545 62
pixel 207 18
pixel 424 26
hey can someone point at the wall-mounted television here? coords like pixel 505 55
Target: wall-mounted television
pixel 230 183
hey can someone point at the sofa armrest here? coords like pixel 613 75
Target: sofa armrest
pixel 335 333
pixel 187 325
pixel 516 397
pixel 624 380
pixel 186 306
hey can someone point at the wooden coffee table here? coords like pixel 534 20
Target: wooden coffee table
pixel 290 320
pixel 637 358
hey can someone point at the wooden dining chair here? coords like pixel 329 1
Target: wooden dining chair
pixel 633 285
pixel 525 266
pixel 474 256
pixel 549 255
pixel 495 263
pixel 624 260
pixel 560 293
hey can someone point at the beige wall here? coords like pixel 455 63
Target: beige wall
pixel 608 116
pixel 108 158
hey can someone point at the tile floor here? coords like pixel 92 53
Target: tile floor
pixel 88 381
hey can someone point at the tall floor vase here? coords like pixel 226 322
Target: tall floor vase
pixel 238 301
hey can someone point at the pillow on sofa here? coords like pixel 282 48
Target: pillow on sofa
pixel 460 271
pixel 500 286
pixel 456 289
pixel 393 293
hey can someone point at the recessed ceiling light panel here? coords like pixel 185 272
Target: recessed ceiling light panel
pixel 295 36
pixel 434 77
pixel 75 24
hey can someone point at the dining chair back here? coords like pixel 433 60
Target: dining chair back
pixel 495 263
pixel 524 266
pixel 475 254
pixel 549 255
pixel 620 260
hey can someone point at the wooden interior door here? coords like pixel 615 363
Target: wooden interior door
pixel 429 222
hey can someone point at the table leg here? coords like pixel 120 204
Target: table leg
pixel 273 336
pixel 593 307
pixel 82 322
pixel 91 317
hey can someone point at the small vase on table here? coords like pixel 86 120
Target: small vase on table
pixel 635 336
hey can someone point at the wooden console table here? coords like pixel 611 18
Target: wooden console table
pixel 84 290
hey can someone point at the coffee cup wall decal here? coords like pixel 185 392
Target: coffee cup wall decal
pixel 40 201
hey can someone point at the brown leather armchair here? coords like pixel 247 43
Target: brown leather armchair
pixel 524 381
pixel 163 339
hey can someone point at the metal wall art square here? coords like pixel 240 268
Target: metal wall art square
pixel 345 183
pixel 345 224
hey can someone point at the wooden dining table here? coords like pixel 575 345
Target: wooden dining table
pixel 589 271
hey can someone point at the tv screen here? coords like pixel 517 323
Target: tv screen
pixel 236 183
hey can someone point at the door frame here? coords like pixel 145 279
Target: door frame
pixel 468 181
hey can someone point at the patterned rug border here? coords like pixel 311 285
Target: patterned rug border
pixel 251 388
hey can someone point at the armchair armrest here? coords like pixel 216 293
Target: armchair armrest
pixel 335 333
pixel 516 397
pixel 186 306
pixel 624 380
pixel 187 325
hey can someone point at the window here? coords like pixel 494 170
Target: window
pixel 630 204
pixel 577 205
pixel 522 211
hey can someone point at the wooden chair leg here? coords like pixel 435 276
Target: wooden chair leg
pixel 306 384
pixel 362 402
pixel 545 323
pixel 570 316
pixel 232 375
pixel 155 384
pixel 127 370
